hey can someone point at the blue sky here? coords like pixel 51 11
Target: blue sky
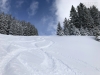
pixel 44 14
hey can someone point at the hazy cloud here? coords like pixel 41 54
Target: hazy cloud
pixel 33 8
pixel 50 22
pixel 44 20
pixel 4 5
pixel 19 3
pixel 52 26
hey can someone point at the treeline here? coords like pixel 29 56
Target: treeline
pixel 11 26
pixel 83 21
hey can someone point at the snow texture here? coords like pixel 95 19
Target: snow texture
pixel 52 55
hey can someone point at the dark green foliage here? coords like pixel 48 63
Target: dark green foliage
pixel 11 26
pixel 95 15
pixel 85 18
pixel 81 14
pixel 74 17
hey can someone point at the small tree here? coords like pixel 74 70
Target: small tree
pixel 73 30
pixel 66 26
pixel 82 31
pixel 59 30
pixel 97 36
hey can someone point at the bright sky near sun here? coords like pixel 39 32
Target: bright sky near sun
pixel 44 14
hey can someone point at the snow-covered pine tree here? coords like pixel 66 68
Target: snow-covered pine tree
pixel 73 30
pixel 66 26
pixel 95 15
pixel 19 28
pixel 59 30
pixel 87 32
pixel 96 31
pixel 13 27
pixel 36 32
pixel 80 9
pixel 86 20
pixel 74 17
pixel 9 25
pixel 24 27
pixel 82 31
pixel 7 22
pixel 2 23
pixel 76 31
pixel 89 22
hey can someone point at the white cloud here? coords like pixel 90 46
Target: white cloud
pixel 19 3
pixel 50 22
pixel 63 7
pixel 4 5
pixel 52 27
pixel 33 8
pixel 44 20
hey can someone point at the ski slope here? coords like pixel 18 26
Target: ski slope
pixel 49 55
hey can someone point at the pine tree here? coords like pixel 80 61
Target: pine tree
pixel 89 22
pixel 66 26
pixel 8 19
pixel 2 23
pixel 86 21
pixel 74 17
pixel 73 30
pixel 76 31
pixel 81 14
pixel 95 15
pixel 96 31
pixel 9 25
pixel 82 31
pixel 59 30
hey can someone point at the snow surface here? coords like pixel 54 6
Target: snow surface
pixel 49 55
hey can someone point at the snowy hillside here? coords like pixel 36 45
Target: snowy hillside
pixel 51 55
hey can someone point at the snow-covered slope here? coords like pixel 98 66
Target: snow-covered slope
pixel 49 55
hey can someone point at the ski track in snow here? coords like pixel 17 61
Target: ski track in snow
pixel 88 65
pixel 50 65
pixel 85 63
pixel 8 58
pixel 12 55
pixel 53 65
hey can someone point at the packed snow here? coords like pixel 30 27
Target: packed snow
pixel 49 55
